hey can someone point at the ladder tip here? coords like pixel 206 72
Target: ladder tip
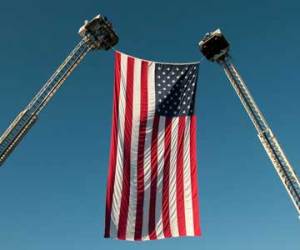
pixel 214 46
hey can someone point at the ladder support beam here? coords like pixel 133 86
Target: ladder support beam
pixel 96 34
pixel 215 48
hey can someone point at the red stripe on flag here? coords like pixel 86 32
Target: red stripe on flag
pixel 193 159
pixel 141 147
pixel 179 178
pixel 166 176
pixel 127 150
pixel 152 231
pixel 113 146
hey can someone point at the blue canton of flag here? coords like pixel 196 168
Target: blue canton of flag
pixel 175 87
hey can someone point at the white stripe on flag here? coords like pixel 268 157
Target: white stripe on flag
pixel 187 180
pixel 160 173
pixel 172 179
pixel 147 151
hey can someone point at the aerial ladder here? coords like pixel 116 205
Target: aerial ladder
pixel 215 48
pixel 97 34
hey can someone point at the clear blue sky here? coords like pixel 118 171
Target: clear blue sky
pixel 52 188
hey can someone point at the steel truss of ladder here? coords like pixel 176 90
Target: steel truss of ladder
pixel 96 34
pixel 215 48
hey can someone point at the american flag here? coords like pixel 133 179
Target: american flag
pixel 152 188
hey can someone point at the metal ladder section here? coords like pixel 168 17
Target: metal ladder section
pixel 96 34
pixel 278 158
pixel 24 121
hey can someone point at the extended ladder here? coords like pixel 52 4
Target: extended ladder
pixel 96 34
pixel 215 48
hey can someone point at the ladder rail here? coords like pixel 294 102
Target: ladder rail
pixel 56 76
pixel 18 137
pixel 278 158
pixel 97 34
pixel 64 76
pixel 19 127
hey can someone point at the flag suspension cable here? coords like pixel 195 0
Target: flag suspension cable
pixel 96 34
pixel 215 48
